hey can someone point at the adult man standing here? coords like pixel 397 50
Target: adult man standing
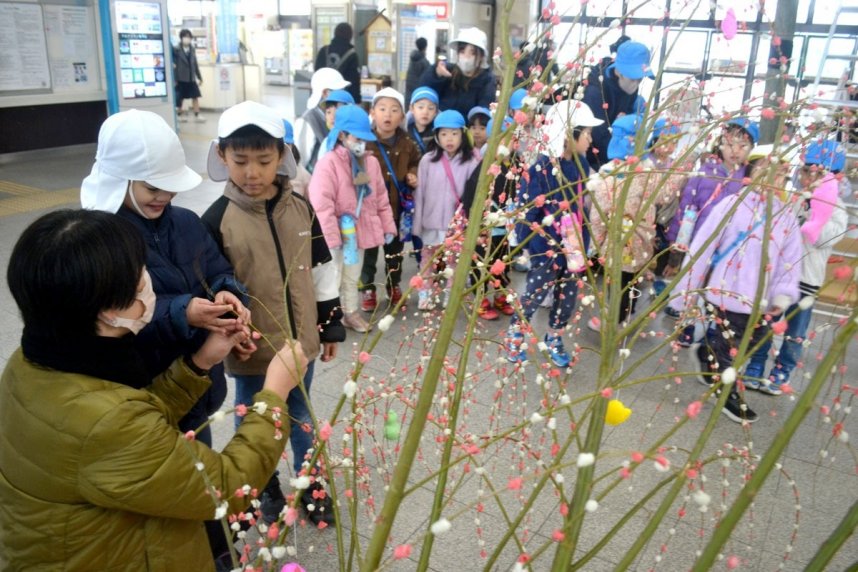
pixel 341 55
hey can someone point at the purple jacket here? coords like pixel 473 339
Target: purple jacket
pixel 733 282
pixel 435 199
pixel 699 190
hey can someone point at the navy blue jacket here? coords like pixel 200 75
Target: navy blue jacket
pixel 184 262
pixel 542 182
pixel 460 93
pixel 601 92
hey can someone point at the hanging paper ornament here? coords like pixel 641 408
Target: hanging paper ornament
pixel 729 26
pixel 617 412
pixel 392 426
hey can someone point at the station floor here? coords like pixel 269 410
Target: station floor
pixel 792 515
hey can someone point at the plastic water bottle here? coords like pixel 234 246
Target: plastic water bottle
pixel 575 260
pixel 686 228
pixel 350 248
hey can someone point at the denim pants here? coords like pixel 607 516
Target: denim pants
pixel 542 278
pixel 791 348
pixel 246 386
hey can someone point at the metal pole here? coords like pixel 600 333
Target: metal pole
pixel 784 28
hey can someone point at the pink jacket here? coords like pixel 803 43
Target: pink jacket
pixel 332 193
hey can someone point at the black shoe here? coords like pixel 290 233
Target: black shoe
pixel 737 410
pixel 318 506
pixel 706 366
pixel 272 500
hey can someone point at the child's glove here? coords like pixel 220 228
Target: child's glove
pixel 388 238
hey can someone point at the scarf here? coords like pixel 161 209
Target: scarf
pixel 110 359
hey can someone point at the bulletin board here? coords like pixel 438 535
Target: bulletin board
pixel 325 19
pixel 50 50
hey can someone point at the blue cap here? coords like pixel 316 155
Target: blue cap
pixel 516 100
pixel 288 133
pixel 450 119
pixel 623 132
pixel 479 111
pixel 752 128
pixel 424 92
pixel 632 61
pixel 339 96
pixel 663 127
pixel 504 126
pixel 828 154
pixel 350 119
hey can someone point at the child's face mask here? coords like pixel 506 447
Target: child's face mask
pixel 186 41
pixel 355 145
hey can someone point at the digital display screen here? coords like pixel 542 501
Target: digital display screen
pixel 142 54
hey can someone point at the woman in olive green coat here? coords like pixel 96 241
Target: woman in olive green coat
pixel 94 474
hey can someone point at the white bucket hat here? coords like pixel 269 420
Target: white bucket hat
pixel 324 78
pixel 475 37
pixel 242 115
pixel 135 145
pixel 566 115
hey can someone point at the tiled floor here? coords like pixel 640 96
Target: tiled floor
pixel 817 468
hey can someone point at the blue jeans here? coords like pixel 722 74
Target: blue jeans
pixel 246 386
pixel 541 279
pixel 791 348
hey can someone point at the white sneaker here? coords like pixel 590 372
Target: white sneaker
pixel 595 324
pixel 199 119
pixel 183 118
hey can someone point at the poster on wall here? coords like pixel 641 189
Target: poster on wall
pixel 326 19
pixel 22 43
pixel 413 24
pixel 142 57
pixel 73 61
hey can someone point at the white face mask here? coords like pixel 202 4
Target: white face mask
pixel 629 86
pixel 467 64
pixel 186 42
pixel 147 298
pixel 357 147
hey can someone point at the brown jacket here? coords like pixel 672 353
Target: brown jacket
pixel 404 155
pixel 278 251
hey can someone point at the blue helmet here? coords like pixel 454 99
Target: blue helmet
pixel 339 96
pixel 450 119
pixel 424 92
pixel 504 125
pixel 350 119
pixel 288 133
pixel 623 131
pixel 516 100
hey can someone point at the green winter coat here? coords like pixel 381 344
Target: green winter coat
pixel 94 475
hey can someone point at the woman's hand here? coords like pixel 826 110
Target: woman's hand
pixel 202 313
pixel 441 69
pixel 216 347
pixel 286 369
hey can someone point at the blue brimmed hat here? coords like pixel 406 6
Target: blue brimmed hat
pixel 623 132
pixel 632 61
pixel 350 119
pixel 827 154
pixel 450 119
pixel 424 93
pixel 339 96
pixel 478 110
pixel 516 100
pixel 504 126
pixel 662 128
pixel 752 128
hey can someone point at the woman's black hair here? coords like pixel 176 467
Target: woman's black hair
pixel 465 152
pixel 70 265
pixel 421 44
pixel 343 31
pixel 185 33
pixel 250 137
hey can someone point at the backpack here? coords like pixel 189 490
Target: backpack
pixel 334 60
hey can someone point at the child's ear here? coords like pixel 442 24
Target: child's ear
pixel 221 155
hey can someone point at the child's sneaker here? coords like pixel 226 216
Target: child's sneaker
pixel 595 324
pixel 705 367
pixel 737 410
pixel 514 342
pixel 424 301
pixel 199 118
pixel 395 295
pixel 556 350
pixel 183 118
pixel 770 386
pixel 503 306
pixel 672 313
pixel 368 301
pixel 486 312
pixel 658 286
